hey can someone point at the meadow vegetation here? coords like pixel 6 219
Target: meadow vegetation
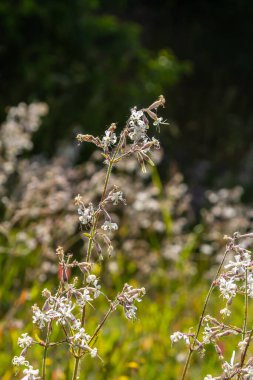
pixel 62 230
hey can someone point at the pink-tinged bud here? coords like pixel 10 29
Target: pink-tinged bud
pixel 63 273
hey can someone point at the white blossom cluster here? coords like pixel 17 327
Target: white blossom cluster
pixel 16 135
pixel 25 341
pixel 127 299
pixel 138 125
pixel 236 279
pixel 109 139
pixel 85 214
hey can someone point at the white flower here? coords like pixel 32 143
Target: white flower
pixel 178 336
pixel 250 285
pixel 109 226
pixel 83 298
pixel 209 377
pixel 40 318
pixel 64 311
pixel 20 360
pixel 93 352
pixel 109 139
pixel 243 344
pixel 227 288
pixel 116 197
pixel 76 325
pixel 25 341
pixel 130 311
pixel 91 278
pixel 207 334
pixel 138 128
pixel 226 312
pixel 86 214
pixel 239 265
pixel 30 373
pixel 248 373
pixel 228 367
pixel 159 121
pixel 81 338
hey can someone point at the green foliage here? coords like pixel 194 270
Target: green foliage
pixel 76 56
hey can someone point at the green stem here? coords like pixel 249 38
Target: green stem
pixel 245 319
pixel 77 359
pixel 246 349
pixel 101 324
pixel 45 352
pixel 245 306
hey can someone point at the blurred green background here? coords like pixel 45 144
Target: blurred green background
pixel 90 61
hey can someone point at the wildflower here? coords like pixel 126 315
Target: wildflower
pixel 209 377
pixel 78 200
pixel 109 139
pixel 138 127
pixel 64 311
pixel 83 298
pixel 39 318
pixel 227 288
pixel 228 367
pixel 225 312
pixel 93 352
pixel 30 373
pixel 108 225
pixel 130 311
pixel 176 336
pixel 127 297
pixel 248 373
pixel 86 213
pixel 117 197
pixel 159 121
pixel 81 338
pixel 19 360
pixel 243 344
pixel 207 334
pixel 76 325
pixel 91 278
pixel 238 266
pixel 25 341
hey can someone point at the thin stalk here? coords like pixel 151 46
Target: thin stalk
pixel 45 352
pixel 101 324
pixel 77 359
pixel 245 306
pixel 245 318
pixel 246 349
pixel 191 348
pixel 89 249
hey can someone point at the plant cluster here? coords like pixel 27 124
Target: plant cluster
pixel 234 278
pixel 67 308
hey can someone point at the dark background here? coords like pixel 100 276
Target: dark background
pixel 92 60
